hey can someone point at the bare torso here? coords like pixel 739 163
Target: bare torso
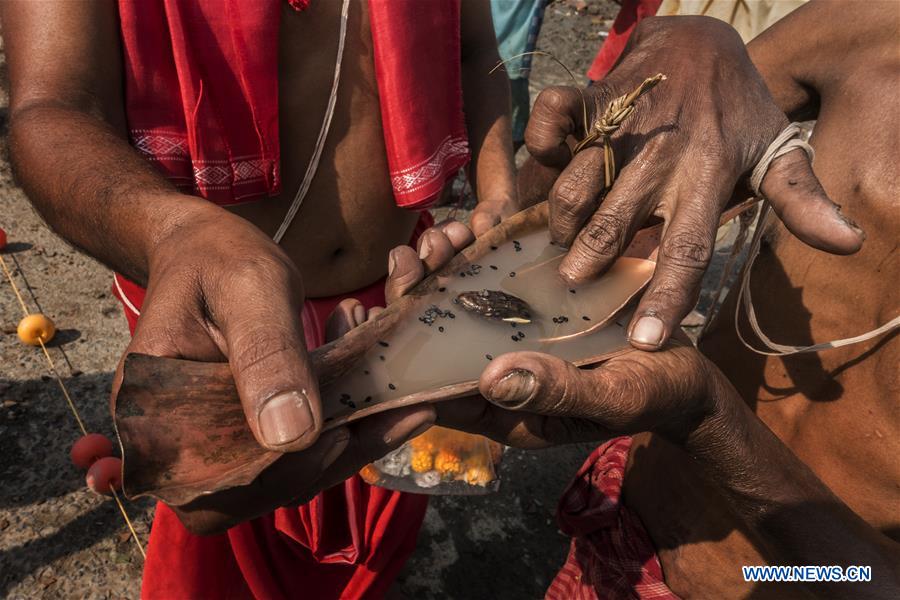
pixel 838 410
pixel 349 221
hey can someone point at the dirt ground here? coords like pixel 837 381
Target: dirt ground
pixel 57 539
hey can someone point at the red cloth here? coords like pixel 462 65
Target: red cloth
pixel 611 556
pixel 350 541
pixel 630 14
pixel 201 93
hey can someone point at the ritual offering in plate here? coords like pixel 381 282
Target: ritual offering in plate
pixel 183 429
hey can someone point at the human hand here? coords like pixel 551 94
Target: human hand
pixel 679 156
pixel 488 213
pixel 667 391
pixel 220 290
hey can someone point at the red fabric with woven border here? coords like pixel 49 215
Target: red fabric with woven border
pixel 201 93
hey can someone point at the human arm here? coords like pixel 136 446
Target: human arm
pixel 679 156
pixel 487 107
pixel 217 287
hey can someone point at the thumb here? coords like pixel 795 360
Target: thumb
pixel 805 209
pixel 266 350
pixel 543 384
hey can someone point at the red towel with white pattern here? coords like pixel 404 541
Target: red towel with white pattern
pixel 201 93
pixel 611 556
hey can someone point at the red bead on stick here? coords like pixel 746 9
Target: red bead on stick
pixel 2 239
pixel 89 449
pixel 105 475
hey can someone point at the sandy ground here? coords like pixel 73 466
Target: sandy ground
pixel 57 539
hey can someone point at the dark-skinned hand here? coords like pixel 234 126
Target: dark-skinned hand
pixel 679 157
pixel 222 290
pixel 533 400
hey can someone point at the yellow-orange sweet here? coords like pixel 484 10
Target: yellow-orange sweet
pixel 448 463
pixel 36 328
pixel 421 461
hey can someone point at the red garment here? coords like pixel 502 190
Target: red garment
pixel 349 542
pixel 611 556
pixel 201 93
pixel 630 14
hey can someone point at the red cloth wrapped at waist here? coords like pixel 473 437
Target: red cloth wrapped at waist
pixel 201 93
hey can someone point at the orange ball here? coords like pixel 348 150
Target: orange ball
pixel 105 475
pixel 89 449
pixel 36 328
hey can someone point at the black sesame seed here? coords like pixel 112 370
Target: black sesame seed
pixel 462 274
pixel 586 318
pixel 351 404
pixel 451 315
pixel 512 273
pixel 514 338
pixel 383 344
pixel 365 372
pixel 521 335
pixel 555 320
pixel 571 291
pixel 392 386
pixel 494 267
pixel 493 247
pixel 381 356
pixel 368 399
pixel 441 329
pixel 489 357
pixel 442 289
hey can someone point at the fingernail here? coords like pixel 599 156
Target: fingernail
pixel 648 330
pixel 337 448
pixel 359 314
pixel 425 248
pixel 392 262
pixel 285 418
pixel 398 431
pixel 515 389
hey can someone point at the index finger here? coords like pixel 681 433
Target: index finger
pixel 555 116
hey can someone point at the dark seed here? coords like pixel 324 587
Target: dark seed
pixel 489 357
pixel 493 247
pixel 512 273
pixel 521 335
pixel 381 356
pixel 586 318
pixel 351 404
pixel 383 344
pixel 571 291
pixel 368 399
pixel 441 329
pixel 494 267
pixel 514 338
pixel 442 289
pixel 365 372
pixel 555 320
pixel 451 315
pixel 462 274
pixel 392 386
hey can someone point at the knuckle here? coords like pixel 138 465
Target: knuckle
pixel 687 250
pixel 602 237
pixel 256 346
